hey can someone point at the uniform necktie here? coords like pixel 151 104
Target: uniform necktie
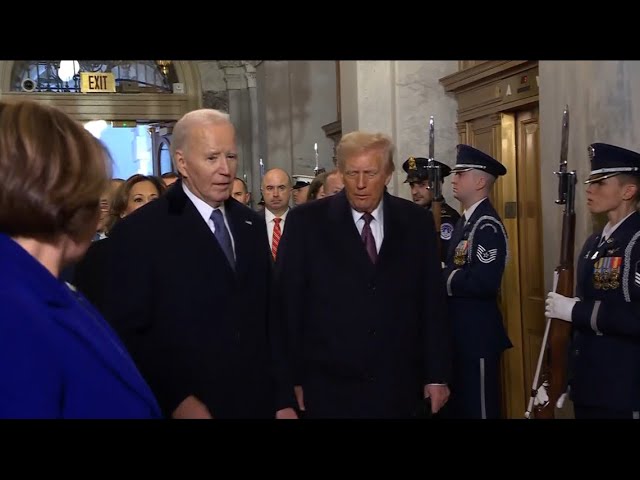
pixel 367 238
pixel 222 235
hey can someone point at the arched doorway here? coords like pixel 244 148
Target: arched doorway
pixel 150 93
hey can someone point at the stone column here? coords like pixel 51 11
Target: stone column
pixel 294 100
pixel 604 106
pixel 397 98
pixel 274 107
pixel 251 166
pixel 214 87
pixel 240 112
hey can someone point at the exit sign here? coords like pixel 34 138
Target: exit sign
pixel 97 82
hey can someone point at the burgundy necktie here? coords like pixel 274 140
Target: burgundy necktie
pixel 367 238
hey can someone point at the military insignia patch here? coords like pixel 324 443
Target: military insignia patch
pixel 460 253
pixel 486 256
pixel 446 229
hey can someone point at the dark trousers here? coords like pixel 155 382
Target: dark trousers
pixel 475 390
pixel 583 412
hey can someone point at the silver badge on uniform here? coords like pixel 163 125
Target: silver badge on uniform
pixel 487 256
pixel 445 231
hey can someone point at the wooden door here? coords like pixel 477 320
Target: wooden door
pixel 532 294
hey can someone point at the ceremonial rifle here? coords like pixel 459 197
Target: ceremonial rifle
pixel 435 184
pixel 550 381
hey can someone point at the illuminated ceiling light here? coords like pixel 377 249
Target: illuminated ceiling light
pixel 67 70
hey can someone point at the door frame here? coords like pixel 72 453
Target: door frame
pixel 492 91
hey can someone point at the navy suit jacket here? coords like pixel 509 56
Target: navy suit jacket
pixel 361 339
pixel 194 325
pixel 58 357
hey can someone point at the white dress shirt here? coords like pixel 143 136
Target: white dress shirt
pixel 469 211
pixel 268 217
pixel 205 210
pixel 377 224
pixel 609 229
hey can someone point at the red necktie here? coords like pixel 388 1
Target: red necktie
pixel 276 237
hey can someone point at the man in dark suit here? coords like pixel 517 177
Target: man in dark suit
pixel 473 273
pixel 276 191
pixel 363 265
pixel 198 332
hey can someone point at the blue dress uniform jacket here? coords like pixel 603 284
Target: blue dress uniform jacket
pixel 58 357
pixel 605 353
pixel 473 273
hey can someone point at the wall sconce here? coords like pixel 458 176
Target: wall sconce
pixel 164 66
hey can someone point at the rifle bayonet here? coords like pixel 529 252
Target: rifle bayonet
pixel 435 179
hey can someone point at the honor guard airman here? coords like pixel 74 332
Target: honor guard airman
pixel 604 372
pixel 417 178
pixel 475 262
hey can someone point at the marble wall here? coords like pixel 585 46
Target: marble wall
pixel 230 86
pixel 604 103
pixel 397 98
pixel 295 99
pixel 214 87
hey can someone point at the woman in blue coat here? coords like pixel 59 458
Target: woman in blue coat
pixel 58 356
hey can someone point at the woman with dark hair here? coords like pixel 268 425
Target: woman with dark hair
pixel 58 357
pixel 89 274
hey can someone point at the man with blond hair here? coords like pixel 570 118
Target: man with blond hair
pixel 198 331
pixel 363 264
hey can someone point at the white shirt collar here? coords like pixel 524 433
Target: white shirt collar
pixel 609 229
pixel 203 207
pixel 269 216
pixel 377 214
pixel 469 211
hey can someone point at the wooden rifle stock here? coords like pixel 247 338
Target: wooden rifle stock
pixel 557 348
pixel 550 381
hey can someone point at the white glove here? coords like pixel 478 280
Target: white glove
pixel 559 306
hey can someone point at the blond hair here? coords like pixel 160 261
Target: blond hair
pixel 356 143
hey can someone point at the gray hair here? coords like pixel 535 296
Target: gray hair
pixel 203 116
